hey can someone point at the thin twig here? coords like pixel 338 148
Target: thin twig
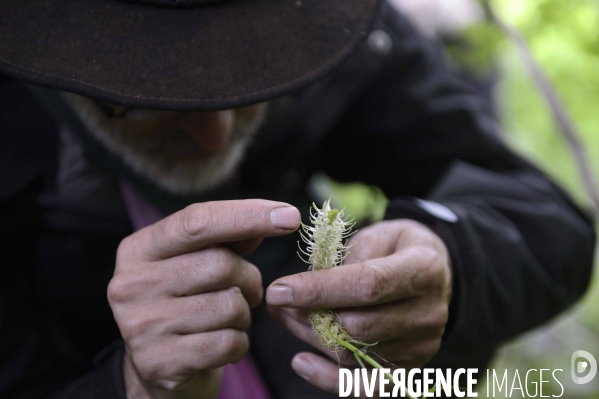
pixel 558 110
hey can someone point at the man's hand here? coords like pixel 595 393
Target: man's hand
pixel 394 289
pixel 181 294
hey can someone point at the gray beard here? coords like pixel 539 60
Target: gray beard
pixel 154 156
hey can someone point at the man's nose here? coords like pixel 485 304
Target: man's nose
pixel 210 129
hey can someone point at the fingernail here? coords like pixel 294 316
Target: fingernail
pixel 287 217
pixel 303 367
pixel 279 295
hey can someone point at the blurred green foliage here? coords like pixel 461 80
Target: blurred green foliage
pixel 564 38
pixel 365 204
pixel 476 48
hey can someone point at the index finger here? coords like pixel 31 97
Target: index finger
pixel 398 276
pixel 204 224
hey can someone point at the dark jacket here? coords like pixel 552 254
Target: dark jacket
pixel 521 250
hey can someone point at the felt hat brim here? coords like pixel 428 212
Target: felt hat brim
pixel 215 56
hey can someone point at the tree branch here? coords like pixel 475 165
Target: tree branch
pixel 558 110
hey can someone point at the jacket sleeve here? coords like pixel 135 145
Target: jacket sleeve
pixel 53 313
pixel 103 382
pixel 521 250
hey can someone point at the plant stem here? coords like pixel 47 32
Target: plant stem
pixel 359 353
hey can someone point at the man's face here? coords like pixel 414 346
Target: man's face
pixel 182 152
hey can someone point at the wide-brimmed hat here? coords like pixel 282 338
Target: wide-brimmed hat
pixel 177 54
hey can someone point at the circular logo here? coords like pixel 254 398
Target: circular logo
pixel 579 367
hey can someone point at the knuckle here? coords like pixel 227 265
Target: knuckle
pixel 223 260
pixel 356 326
pixel 238 307
pixel 432 322
pixel 194 221
pixel 168 385
pixel 216 265
pixel 119 290
pixel 255 284
pixel 186 269
pixel 124 250
pixel 314 297
pixel 429 254
pixel 149 365
pixel 234 344
pixel 313 292
pixel 131 287
pixel 132 328
pixel 434 274
pixel 211 264
pixel 441 316
pixel 371 284
pixel 223 264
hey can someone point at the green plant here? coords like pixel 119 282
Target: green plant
pixel 326 248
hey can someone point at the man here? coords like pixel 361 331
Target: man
pixel 157 108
